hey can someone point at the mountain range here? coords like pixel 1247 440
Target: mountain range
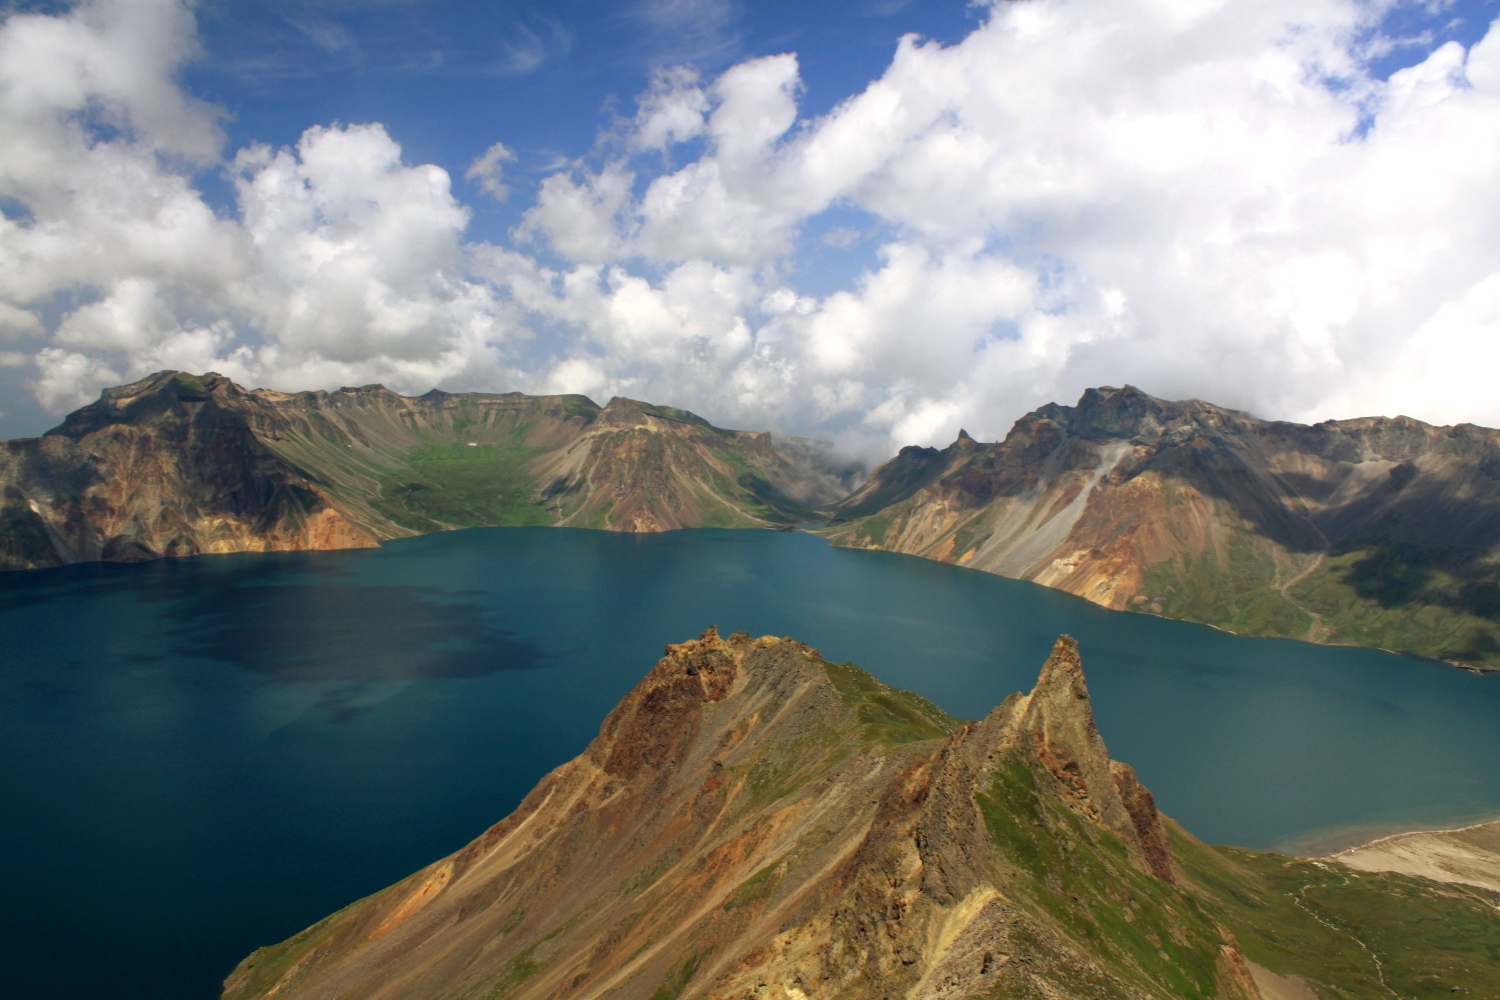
pixel 1377 531
pixel 756 821
pixel 177 464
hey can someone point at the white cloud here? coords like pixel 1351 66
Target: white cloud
pixel 673 110
pixel 487 171
pixel 345 263
pixel 1165 192
pixel 1162 192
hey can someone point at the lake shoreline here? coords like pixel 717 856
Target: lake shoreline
pixel 1329 843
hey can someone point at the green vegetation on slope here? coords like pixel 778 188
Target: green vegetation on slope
pixel 1381 594
pixel 1140 928
pixel 189 388
pixel 1241 594
pixel 464 485
pixel 889 716
pixel 1348 934
pixel 679 976
pixel 24 541
pixel 755 493
pixel 1392 595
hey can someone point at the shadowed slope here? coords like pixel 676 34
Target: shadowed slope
pixel 1379 532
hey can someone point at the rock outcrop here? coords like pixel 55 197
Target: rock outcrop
pixel 1379 532
pixel 177 464
pixel 172 466
pixel 754 821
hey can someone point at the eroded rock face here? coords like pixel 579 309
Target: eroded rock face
pixel 165 467
pixel 753 821
pixel 1376 531
pixel 178 464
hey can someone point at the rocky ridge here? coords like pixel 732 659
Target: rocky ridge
pixel 1380 532
pixel 755 821
pixel 177 464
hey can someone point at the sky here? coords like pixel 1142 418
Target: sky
pixel 873 222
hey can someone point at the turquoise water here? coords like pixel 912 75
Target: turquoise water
pixel 202 756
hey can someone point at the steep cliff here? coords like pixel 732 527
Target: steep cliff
pixel 1379 532
pixel 754 821
pixel 174 465
pixel 178 464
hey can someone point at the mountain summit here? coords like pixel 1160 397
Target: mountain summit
pixel 755 821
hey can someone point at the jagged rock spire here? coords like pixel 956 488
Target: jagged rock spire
pixel 1058 726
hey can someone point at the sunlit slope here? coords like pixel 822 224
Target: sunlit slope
pixel 1379 532
pixel 754 820
pixel 177 464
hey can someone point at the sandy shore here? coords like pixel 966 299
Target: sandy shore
pixel 1469 854
pixel 1274 987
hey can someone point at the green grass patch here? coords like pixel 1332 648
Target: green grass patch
pixel 754 491
pixel 189 388
pixel 679 976
pixel 875 529
pixel 1379 592
pixel 756 888
pixel 575 405
pixel 889 716
pixel 468 486
pixel 516 972
pixel 1328 925
pixel 1237 590
pixel 971 534
pixel 1142 928
pixel 1399 597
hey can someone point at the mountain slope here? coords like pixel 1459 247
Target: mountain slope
pixel 756 821
pixel 178 464
pixel 1379 532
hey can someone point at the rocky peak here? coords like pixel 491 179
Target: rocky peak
pixel 622 412
pixel 1056 723
pixel 156 396
pixel 729 834
pixel 963 444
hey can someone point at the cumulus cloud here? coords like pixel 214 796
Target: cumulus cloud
pixel 1212 200
pixel 488 169
pixel 355 256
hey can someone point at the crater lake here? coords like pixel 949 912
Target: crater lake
pixel 203 756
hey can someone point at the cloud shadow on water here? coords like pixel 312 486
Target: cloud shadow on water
pixel 330 630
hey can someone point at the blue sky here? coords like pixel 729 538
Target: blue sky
pixel 777 214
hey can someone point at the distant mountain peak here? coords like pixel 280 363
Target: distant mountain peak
pixel 1374 531
pixel 178 464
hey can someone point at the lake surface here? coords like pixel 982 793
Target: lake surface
pixel 201 756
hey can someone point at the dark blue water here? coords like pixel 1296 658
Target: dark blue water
pixel 198 757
